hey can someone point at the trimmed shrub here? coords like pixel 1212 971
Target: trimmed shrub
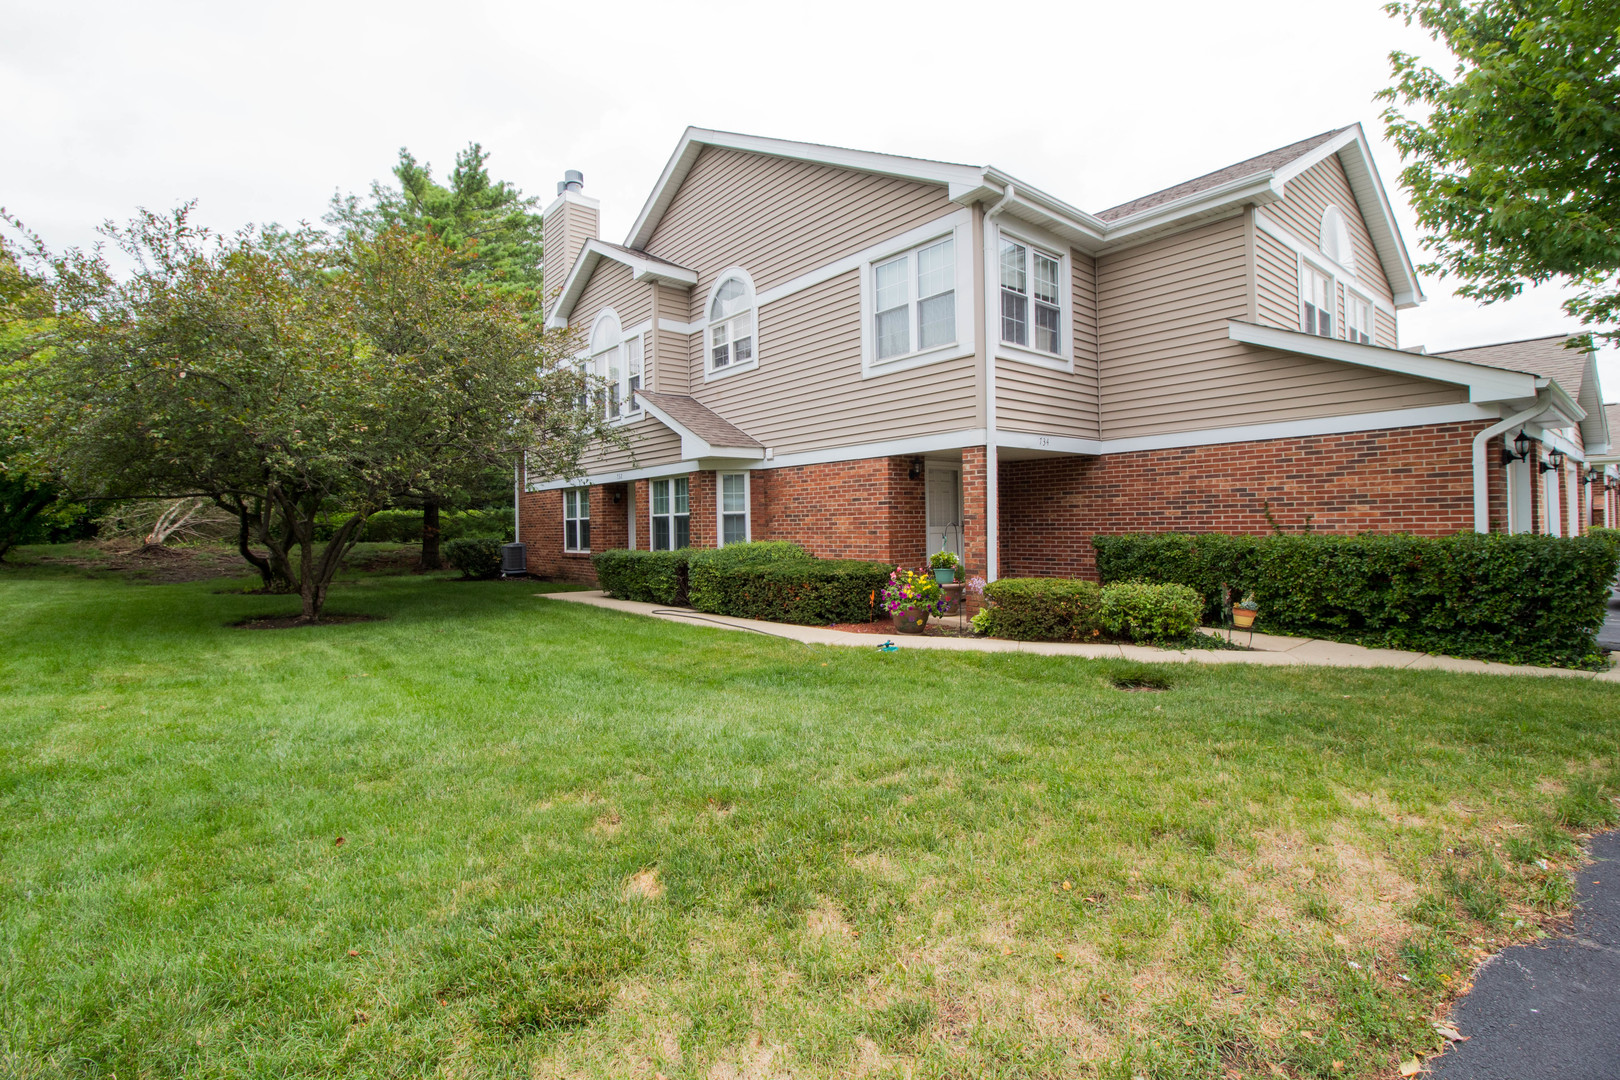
pixel 649 577
pixel 1200 561
pixel 1139 611
pixel 1517 599
pixel 1040 609
pixel 478 557
pixel 811 592
pixel 710 572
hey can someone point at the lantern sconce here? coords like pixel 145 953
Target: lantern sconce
pixel 1520 451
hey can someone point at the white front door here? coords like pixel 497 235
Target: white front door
pixel 944 509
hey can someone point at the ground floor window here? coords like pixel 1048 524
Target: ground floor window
pixel 733 508
pixel 671 514
pixel 577 519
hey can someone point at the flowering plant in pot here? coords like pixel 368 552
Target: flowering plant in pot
pixel 910 597
pixel 1244 612
pixel 947 566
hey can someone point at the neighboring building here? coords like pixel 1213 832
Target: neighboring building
pixel 879 356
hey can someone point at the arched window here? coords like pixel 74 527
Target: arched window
pixel 1335 239
pixel 605 362
pixel 731 322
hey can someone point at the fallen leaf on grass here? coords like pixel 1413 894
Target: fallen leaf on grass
pixel 1411 1067
pixel 1450 1033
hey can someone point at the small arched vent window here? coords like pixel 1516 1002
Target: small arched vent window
pixel 1335 240
pixel 731 323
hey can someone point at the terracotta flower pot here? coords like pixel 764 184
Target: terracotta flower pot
pixel 910 620
pixel 1243 618
pixel 952 601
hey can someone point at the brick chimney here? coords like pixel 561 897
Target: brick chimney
pixel 570 221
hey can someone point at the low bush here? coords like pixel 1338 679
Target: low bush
pixel 649 577
pixel 710 572
pixel 1139 611
pixel 1516 599
pixel 1040 609
pixel 811 592
pixel 405 526
pixel 475 557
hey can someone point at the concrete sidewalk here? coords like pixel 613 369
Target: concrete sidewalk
pixel 1269 649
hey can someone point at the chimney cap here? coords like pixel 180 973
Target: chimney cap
pixel 573 180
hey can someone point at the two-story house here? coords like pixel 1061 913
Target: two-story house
pixel 880 356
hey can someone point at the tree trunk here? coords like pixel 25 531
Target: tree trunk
pixel 244 533
pixel 431 559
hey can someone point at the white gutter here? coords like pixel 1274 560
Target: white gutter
pixel 1482 467
pixel 992 490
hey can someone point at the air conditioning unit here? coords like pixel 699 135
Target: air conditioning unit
pixel 514 560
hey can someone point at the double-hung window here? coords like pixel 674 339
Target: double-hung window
pixel 915 300
pixel 1358 324
pixel 671 514
pixel 577 519
pixel 733 508
pixel 632 357
pixel 1317 289
pixel 1031 298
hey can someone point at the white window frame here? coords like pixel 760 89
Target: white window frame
pixel 914 300
pixel 732 367
pixel 579 513
pixel 1306 268
pixel 720 513
pixel 669 514
pixel 606 358
pixel 1353 297
pixel 1052 247
pixel 958 227
pixel 1334 224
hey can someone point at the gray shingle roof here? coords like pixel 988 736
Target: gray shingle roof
pixel 643 255
pixel 1272 159
pixel 699 419
pixel 1539 356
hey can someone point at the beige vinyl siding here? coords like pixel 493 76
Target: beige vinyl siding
pixel 651 443
pixel 563 235
pixel 807 392
pixel 1277 281
pixel 611 286
pixel 1169 365
pixel 1041 401
pixel 672 364
pixel 1384 332
pixel 1300 209
pixel 779 219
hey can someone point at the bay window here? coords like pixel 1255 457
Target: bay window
pixel 1031 297
pixel 671 514
pixel 577 519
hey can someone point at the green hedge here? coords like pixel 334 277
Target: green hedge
pixel 1516 599
pixel 475 557
pixel 1040 609
pixel 710 572
pixel 812 592
pixel 1140 611
pixel 405 526
pixel 650 577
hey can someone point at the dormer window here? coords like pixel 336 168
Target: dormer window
pixel 731 324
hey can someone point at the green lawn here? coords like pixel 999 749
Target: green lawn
pixel 576 843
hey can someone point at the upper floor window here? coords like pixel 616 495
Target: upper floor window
pixel 915 300
pixel 1031 297
pixel 731 323
pixel 577 519
pixel 671 514
pixel 1335 239
pixel 1358 323
pixel 617 363
pixel 1317 290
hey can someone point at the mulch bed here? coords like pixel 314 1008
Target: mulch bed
pixel 287 622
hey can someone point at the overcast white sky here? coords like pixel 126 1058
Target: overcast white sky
pixel 262 111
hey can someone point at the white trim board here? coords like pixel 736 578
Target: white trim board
pixel 649 269
pixel 1281 233
pixel 1483 383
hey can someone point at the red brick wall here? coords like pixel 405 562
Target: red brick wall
pixel 975 511
pixel 1416 480
pixel 866 509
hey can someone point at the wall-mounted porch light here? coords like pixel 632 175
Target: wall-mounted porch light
pixel 1520 451
pixel 916 469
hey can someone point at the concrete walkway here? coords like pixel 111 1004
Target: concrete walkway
pixel 1609 635
pixel 1269 648
pixel 1550 1010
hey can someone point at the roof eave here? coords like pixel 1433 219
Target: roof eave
pixel 695 446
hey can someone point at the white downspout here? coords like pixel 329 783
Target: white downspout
pixel 517 497
pixel 992 460
pixel 1482 467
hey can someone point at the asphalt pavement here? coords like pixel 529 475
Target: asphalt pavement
pixel 1551 1010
